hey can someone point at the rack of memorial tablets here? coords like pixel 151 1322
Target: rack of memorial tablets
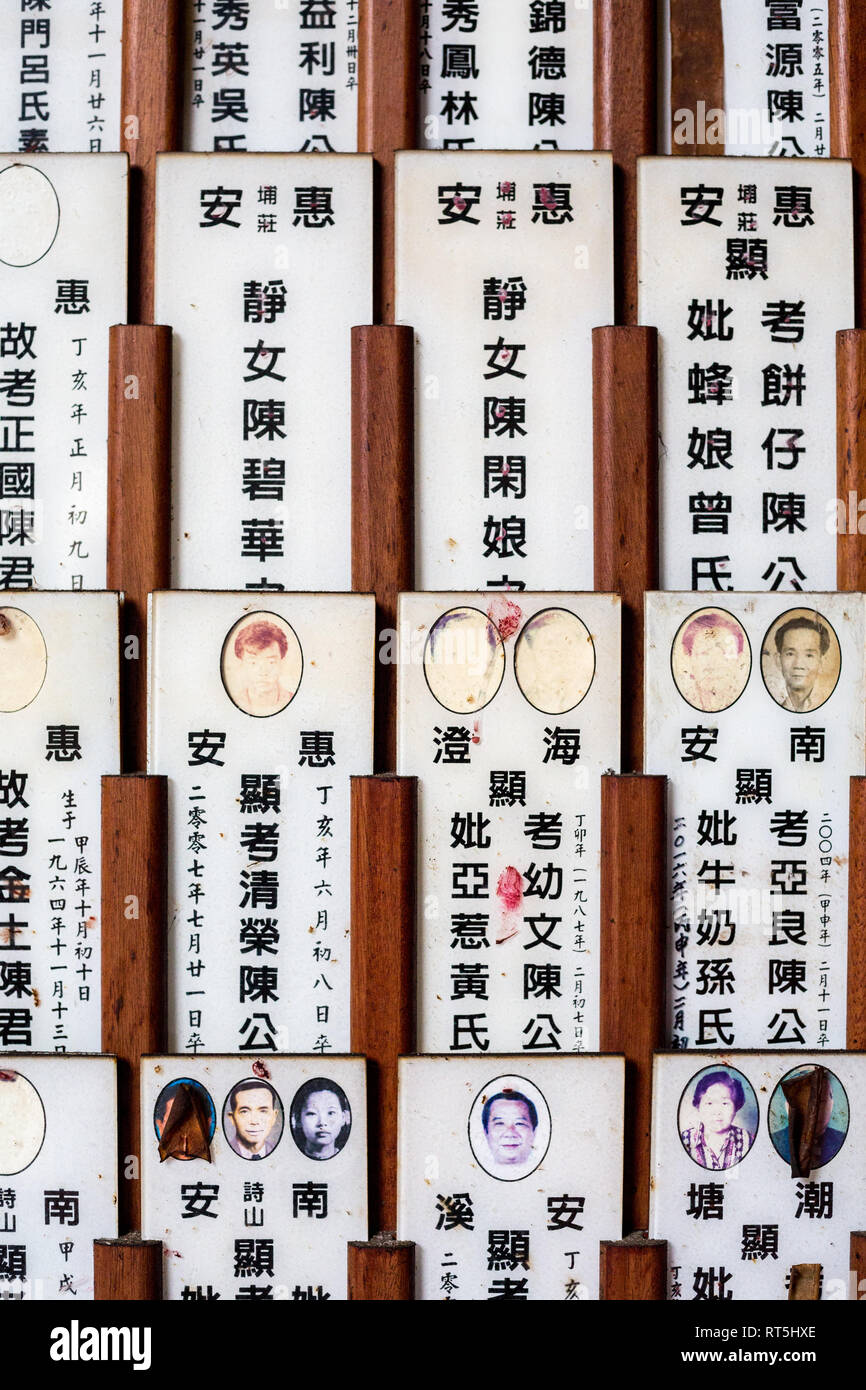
pixel 484 659
pixel 768 1217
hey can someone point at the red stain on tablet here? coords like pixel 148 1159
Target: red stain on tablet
pixel 505 615
pixel 509 889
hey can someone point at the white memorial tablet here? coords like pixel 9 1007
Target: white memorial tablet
pixel 504 265
pixel 60 75
pixel 259 715
pixel 508 714
pixel 62 284
pixel 58 1173
pixel 263 265
pixel 510 1173
pixel 59 735
pixel 754 712
pixel 757 1167
pixel 505 74
pixel 776 83
pixel 254 1177
pixel 728 255
pixel 271 76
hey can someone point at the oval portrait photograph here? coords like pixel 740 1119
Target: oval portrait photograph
pixel 810 1108
pixel 261 664
pixel 509 1128
pixel 29 214
pixel 464 660
pixel 320 1118
pixel 801 660
pixel 718 1117
pixel 23 660
pixel 253 1118
pixel 22 1122
pixel 184 1120
pixel 554 661
pixel 711 660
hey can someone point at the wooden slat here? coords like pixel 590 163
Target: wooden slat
pixel 847 32
pixel 134 899
pixel 150 121
pixel 129 1270
pixel 387 119
pixel 139 507
pixel 697 73
pixel 856 1011
pixel 381 1271
pixel 633 1270
pixel 851 460
pixel 857 1265
pixel 624 95
pixel 383 508
pixel 384 811
pixel 633 881
pixel 625 491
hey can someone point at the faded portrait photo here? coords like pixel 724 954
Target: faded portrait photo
pixel 23 660
pixel 801 660
pixel 711 660
pixel 253 1118
pixel 808 1118
pixel 554 661
pixel 320 1118
pixel 22 1122
pixel 184 1120
pixel 509 1128
pixel 261 664
pixel 718 1117
pixel 464 660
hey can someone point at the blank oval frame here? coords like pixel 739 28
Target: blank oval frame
pixel 22 1122
pixel 558 638
pixel 23 660
pixel 29 215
